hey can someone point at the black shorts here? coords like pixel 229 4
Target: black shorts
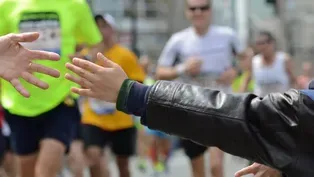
pixel 122 142
pixel 7 144
pixel 191 149
pixel 75 112
pixel 27 132
pixel 78 135
pixel 2 146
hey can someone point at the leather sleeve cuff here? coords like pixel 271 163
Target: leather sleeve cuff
pixel 123 95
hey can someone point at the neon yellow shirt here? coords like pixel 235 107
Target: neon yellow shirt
pixel 239 80
pixel 61 23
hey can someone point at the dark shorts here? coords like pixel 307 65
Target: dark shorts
pixel 191 149
pixel 122 142
pixel 75 112
pixel 2 146
pixel 7 144
pixel 26 132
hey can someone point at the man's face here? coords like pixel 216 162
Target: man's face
pixel 198 12
pixel 264 44
pixel 105 29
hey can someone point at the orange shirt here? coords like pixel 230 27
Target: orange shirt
pixel 116 120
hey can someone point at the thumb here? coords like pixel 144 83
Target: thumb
pixel 105 61
pixel 24 37
pixel 245 171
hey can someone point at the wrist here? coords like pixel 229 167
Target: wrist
pixel 124 91
pixel 132 98
pixel 180 69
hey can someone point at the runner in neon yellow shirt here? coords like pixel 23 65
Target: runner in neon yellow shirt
pixel 44 123
pixel 244 64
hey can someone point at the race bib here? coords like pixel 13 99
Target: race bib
pixel 102 107
pixel 47 24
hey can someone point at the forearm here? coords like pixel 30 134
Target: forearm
pixel 293 82
pixel 167 73
pixel 245 84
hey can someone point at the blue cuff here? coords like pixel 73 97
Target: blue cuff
pixel 309 93
pixel 136 102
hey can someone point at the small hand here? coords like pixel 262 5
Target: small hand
pixel 101 82
pixel 258 170
pixel 16 62
pixel 227 77
pixel 193 66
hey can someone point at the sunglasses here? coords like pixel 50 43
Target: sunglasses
pixel 201 8
pixel 262 42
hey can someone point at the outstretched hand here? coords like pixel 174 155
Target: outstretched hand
pixel 101 82
pixel 16 62
pixel 258 170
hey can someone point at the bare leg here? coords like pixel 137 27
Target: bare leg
pixel 50 158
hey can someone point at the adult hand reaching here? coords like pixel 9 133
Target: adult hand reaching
pixel 101 82
pixel 16 62
pixel 258 170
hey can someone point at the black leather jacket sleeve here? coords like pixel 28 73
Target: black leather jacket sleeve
pixel 266 130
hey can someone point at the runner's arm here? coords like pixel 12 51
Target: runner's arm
pixel 231 73
pixel 246 81
pixel 165 68
pixel 86 30
pixel 289 70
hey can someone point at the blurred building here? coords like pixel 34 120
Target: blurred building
pixel 299 20
pixel 152 24
pixel 292 22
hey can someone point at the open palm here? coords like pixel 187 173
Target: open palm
pixel 16 62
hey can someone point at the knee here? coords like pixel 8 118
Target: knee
pixel 216 169
pixel 94 156
pixel 43 172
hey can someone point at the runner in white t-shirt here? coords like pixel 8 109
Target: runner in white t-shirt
pixel 271 69
pixel 202 54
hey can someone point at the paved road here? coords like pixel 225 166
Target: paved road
pixel 179 167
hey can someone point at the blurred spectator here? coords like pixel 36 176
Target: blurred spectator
pixel 307 75
pixel 245 64
pixel 103 125
pixel 271 70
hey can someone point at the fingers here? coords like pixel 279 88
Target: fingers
pixel 83 92
pixel 77 55
pixel 34 81
pixel 245 171
pixel 24 37
pixel 19 87
pixel 107 63
pixel 80 81
pixel 81 72
pixel 37 54
pixel 34 67
pixel 87 65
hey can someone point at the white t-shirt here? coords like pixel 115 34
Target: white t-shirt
pixel 216 49
pixel 269 79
